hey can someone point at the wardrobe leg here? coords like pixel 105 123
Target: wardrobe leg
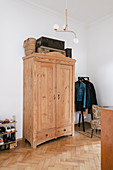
pixel 92 133
pixel 79 120
pixel 83 122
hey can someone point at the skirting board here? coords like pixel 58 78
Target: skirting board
pixel 75 125
pixel 19 139
pixel 84 122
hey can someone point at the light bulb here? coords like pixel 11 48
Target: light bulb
pixel 76 40
pixel 56 27
pixel 64 27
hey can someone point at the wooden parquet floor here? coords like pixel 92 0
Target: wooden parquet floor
pixel 67 153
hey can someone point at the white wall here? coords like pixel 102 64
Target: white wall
pixel 19 21
pixel 100 59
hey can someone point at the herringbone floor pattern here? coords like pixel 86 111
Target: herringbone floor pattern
pixel 66 153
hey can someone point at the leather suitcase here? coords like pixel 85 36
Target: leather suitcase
pixel 49 42
pixel 43 49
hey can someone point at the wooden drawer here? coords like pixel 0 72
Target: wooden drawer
pixel 44 136
pixel 64 131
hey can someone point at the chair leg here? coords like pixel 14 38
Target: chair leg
pixel 83 122
pixel 96 130
pixel 92 133
pixel 91 115
pixel 79 120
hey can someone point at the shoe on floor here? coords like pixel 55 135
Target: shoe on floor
pixel 2 129
pixel 12 129
pixel 1 140
pixel 8 129
pixel 6 121
pixel 12 136
pixel 5 138
pixel 11 120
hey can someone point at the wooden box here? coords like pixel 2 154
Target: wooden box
pixel 12 145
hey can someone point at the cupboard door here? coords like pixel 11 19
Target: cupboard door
pixel 45 96
pixel 64 95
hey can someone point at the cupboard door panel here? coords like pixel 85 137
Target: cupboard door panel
pixel 64 94
pixel 46 95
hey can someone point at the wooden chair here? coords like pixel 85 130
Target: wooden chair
pixel 96 122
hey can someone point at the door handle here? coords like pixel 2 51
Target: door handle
pixel 58 96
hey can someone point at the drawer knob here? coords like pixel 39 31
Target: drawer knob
pixel 46 134
pixel 64 129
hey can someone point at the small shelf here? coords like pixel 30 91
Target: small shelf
pixel 2 124
pixel 7 133
pixel 9 144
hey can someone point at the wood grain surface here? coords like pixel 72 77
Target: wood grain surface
pixel 48 97
pixel 67 153
pixel 107 139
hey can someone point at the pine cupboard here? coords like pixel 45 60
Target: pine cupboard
pixel 48 97
pixel 107 138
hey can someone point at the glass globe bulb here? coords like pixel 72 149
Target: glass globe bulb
pixel 76 40
pixel 64 27
pixel 56 27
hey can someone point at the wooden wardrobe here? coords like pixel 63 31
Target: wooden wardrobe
pixel 48 97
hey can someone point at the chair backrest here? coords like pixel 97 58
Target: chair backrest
pixel 96 111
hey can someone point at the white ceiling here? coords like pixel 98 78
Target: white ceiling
pixel 81 10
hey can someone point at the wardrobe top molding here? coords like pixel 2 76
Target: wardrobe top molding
pixel 51 57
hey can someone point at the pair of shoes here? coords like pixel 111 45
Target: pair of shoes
pixel 10 137
pixel 5 121
pixel 1 140
pixel 10 133
pixel 2 129
pixel 12 120
pixel 5 139
pixel 10 129
pixel 13 129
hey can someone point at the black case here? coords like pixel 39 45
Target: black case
pixel 68 52
pixel 49 42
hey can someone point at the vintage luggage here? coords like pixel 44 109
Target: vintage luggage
pixel 43 49
pixel 68 52
pixel 29 46
pixel 49 42
pixel 43 45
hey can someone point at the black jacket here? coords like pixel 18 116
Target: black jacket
pixel 90 94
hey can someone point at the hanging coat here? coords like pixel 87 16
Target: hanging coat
pixel 80 95
pixel 90 94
